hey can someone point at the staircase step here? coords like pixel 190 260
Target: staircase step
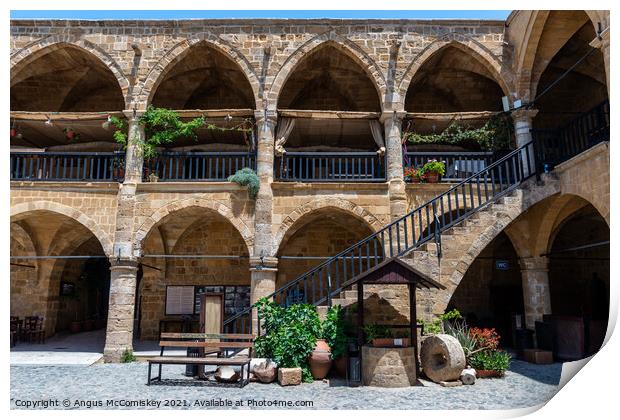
pixel 322 311
pixel 349 294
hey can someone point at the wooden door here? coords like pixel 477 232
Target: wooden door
pixel 211 314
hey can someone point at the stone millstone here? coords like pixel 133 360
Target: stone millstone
pixel 226 374
pixel 289 376
pixel 442 358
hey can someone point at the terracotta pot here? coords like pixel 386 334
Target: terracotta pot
pixel 88 325
pixel 432 177
pixel 75 327
pixel 481 373
pixel 340 365
pixel 320 360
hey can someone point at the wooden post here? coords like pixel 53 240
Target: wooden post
pixel 360 325
pixel 414 326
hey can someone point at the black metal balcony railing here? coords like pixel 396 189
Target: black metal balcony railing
pixel 557 145
pixel 330 167
pixel 459 165
pixel 197 166
pixel 68 166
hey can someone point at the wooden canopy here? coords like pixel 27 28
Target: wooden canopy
pixel 395 271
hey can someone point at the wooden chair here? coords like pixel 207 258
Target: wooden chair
pixel 15 330
pixel 33 329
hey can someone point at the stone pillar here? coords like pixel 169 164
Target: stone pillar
pixel 266 123
pixel 119 331
pixel 124 265
pixel 134 156
pixel 393 121
pixel 536 293
pixel 523 125
pixel 263 264
pixel 263 273
pixel 602 42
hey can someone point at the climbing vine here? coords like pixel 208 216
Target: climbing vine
pixel 495 134
pixel 164 126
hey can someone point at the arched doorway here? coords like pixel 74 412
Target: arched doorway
pixel 61 273
pixel 188 253
pixel 490 292
pixel 579 276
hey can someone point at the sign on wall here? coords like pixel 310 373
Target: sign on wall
pixel 179 300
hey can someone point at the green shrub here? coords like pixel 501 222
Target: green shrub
pixel 436 326
pixel 373 331
pixel 288 334
pixel 247 176
pixel 490 360
pixel 128 356
pixel 334 331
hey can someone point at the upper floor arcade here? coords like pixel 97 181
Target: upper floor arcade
pixel 336 92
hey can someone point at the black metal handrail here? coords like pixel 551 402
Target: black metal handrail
pixel 459 165
pixel 197 166
pixel 410 231
pixel 581 133
pixel 330 167
pixel 68 166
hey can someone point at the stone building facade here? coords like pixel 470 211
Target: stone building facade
pixel 76 73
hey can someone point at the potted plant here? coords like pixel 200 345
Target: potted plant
pixel 70 134
pixel 383 336
pixel 410 174
pixel 289 335
pixel 334 331
pixel 320 360
pixel 432 171
pixel 490 363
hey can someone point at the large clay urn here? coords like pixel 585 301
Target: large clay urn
pixel 320 359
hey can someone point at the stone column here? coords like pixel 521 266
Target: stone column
pixel 393 121
pixel 602 42
pixel 263 273
pixel 119 331
pixel 263 264
pixel 124 265
pixel 536 293
pixel 523 125
pixel 266 123
pixel 134 156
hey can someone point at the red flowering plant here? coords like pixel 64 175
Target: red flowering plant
pixel 411 174
pixel 485 338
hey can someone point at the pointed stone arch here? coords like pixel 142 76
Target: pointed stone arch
pixel 157 73
pixel 208 204
pixel 342 44
pixel 465 44
pixel 32 51
pixel 23 210
pixel 339 204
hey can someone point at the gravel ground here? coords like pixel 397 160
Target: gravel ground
pixel 124 386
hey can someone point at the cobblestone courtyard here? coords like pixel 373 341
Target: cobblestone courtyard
pixel 122 385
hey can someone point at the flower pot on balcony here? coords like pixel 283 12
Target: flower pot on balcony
pixel 153 178
pixel 432 177
pixel 320 359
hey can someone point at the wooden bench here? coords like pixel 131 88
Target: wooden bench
pixel 221 348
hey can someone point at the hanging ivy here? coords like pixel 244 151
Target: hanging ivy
pixel 164 126
pixel 495 134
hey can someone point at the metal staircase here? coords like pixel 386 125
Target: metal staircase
pixel 427 222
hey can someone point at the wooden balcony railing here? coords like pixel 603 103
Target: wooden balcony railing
pixel 330 167
pixel 68 166
pixel 197 166
pixel 459 165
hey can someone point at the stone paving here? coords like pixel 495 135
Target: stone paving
pixel 124 386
